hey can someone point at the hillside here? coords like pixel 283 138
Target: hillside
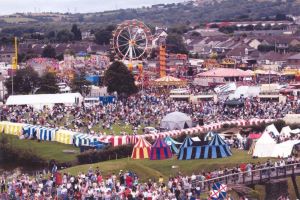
pixel 189 13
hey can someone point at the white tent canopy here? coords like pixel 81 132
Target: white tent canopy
pixel 285 131
pixel 176 120
pixel 271 129
pixel 284 149
pixel 40 100
pixel 264 146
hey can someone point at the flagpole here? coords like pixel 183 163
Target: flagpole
pixel 12 82
pixel 14 64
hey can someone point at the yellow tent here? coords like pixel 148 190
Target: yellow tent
pixel 169 81
pixel 2 126
pixel 64 136
pixel 12 128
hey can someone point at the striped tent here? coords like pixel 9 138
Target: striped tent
pixel 141 149
pixel 81 139
pixel 219 147
pixel 209 136
pixel 186 149
pixel 172 144
pixel 2 126
pixel 30 131
pixel 46 134
pixel 160 150
pixel 64 136
pixel 13 128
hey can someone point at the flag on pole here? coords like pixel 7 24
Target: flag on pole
pixel 218 191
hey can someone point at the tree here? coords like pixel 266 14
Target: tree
pixel 64 36
pixel 25 81
pixel 175 44
pixel 80 84
pixel 48 84
pixel 49 52
pixel 77 33
pixel 119 79
pixel 102 37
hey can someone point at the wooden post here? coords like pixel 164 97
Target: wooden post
pixel 243 178
pixel 295 186
pixel 276 171
pixel 293 169
pixel 260 175
pixel 226 179
pixel 252 176
pixel 285 171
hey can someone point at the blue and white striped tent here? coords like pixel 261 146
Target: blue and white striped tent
pixel 29 131
pixel 217 140
pixel 217 148
pixel 221 147
pixel 81 139
pixel 172 144
pixel 47 134
pixel 209 136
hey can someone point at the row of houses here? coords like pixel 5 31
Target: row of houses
pixel 245 50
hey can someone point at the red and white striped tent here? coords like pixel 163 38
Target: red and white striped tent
pixel 141 149
pixel 133 139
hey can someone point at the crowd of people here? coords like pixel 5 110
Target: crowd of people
pixel 142 110
pixel 124 185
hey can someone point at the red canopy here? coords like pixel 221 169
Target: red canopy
pixel 254 136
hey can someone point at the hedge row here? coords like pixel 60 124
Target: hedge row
pixel 10 154
pixel 110 153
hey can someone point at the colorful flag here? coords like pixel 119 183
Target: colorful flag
pixel 218 191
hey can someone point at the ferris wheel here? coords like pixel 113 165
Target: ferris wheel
pixel 132 40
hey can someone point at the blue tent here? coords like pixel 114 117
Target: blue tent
pixel 29 131
pixel 47 134
pixel 217 148
pixel 172 144
pixel 82 139
pixel 209 136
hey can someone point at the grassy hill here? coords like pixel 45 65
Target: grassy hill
pixel 186 13
pixel 153 169
pixel 45 150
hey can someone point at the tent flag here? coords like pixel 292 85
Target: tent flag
pixel 160 150
pixel 172 144
pixel 218 191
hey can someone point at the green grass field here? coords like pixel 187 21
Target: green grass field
pixel 153 169
pixel 45 150
pixel 15 20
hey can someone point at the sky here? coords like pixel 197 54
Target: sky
pixel 82 6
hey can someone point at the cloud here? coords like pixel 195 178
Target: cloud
pixel 82 6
